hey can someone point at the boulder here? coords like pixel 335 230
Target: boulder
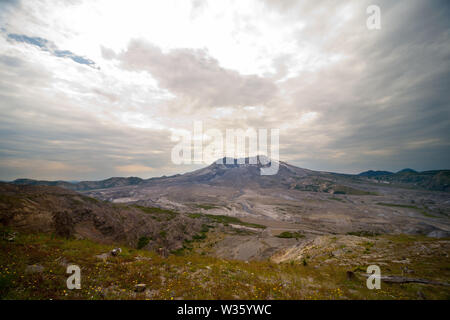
pixel 35 268
pixel 116 251
pixel 140 287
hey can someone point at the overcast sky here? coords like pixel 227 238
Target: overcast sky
pixel 93 89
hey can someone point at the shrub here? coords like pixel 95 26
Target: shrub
pixel 287 235
pixel 142 242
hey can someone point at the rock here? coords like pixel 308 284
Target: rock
pixel 405 269
pixel 35 268
pixel 116 251
pixel 150 294
pixel 438 234
pixel 350 275
pixel 102 256
pixel 420 295
pixel 62 261
pixel 139 258
pixel 140 287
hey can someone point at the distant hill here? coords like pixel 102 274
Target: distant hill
pixel 372 173
pixel 407 170
pixel 436 180
pixel 83 185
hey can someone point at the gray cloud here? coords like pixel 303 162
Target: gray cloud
pixel 196 75
pixel 382 104
pixel 386 104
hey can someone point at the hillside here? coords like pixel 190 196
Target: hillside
pixel 33 266
pixel 83 185
pixel 436 180
pixel 72 215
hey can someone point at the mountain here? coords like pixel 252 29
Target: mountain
pixel 372 173
pixel 83 185
pixel 435 180
pixel 407 170
pixel 237 173
pixel 240 173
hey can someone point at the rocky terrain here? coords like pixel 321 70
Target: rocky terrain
pixel 72 215
pixel 275 236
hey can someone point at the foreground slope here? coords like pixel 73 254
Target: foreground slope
pixel 34 267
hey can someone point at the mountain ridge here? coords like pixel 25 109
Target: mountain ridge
pixel 239 172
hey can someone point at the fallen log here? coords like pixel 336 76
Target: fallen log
pixel 399 279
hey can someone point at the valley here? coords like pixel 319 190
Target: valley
pixel 307 225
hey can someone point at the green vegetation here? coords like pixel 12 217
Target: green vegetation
pixel 233 220
pixel 199 236
pixel 339 189
pixel 396 205
pixel 226 221
pixel 363 233
pixel 158 213
pixel 142 242
pixel 91 200
pixel 192 275
pixel 163 234
pixel 288 235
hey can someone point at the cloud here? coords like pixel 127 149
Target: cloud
pixel 194 74
pixel 134 169
pixel 345 98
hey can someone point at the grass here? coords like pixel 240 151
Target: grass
pixel 288 235
pixel 206 206
pixel 338 189
pixel 363 233
pixel 158 213
pixel 396 205
pixel 226 220
pixel 196 276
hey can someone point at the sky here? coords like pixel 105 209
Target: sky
pixel 91 89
